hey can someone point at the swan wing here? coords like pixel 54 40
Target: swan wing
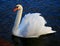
pixel 33 25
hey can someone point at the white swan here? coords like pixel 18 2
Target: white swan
pixel 32 24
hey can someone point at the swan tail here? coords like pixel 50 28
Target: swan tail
pixel 47 30
pixel 51 31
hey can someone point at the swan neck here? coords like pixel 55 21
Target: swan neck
pixel 19 16
pixel 18 19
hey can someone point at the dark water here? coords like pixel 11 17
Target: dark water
pixel 50 10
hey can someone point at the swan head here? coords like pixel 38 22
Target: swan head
pixel 18 7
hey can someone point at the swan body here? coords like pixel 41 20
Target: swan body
pixel 32 25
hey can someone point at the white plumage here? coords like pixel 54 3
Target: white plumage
pixel 32 25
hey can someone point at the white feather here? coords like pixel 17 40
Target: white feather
pixel 32 25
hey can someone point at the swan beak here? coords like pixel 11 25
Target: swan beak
pixel 15 9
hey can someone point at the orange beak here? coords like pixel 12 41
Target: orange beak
pixel 15 9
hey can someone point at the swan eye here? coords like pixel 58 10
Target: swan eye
pixel 16 6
